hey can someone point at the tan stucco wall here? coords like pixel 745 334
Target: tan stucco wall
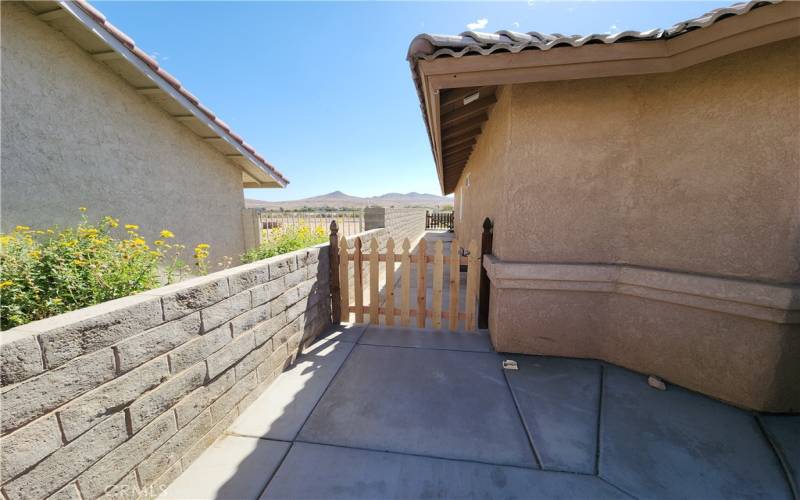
pixel 485 196
pixel 695 172
pixel 75 134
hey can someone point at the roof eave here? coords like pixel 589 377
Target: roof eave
pixel 431 75
pixel 260 170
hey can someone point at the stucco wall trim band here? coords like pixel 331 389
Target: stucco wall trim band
pixel 774 303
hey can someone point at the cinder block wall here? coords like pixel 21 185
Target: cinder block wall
pixel 131 391
pixel 399 223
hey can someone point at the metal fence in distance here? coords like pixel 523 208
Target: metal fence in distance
pixel 438 220
pixel 271 223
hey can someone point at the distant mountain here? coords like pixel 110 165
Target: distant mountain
pixel 338 199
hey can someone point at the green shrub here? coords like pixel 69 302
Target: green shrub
pixel 48 272
pixel 286 240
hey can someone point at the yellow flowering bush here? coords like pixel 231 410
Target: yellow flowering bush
pixel 48 272
pixel 284 240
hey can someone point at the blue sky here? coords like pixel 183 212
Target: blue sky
pixel 323 90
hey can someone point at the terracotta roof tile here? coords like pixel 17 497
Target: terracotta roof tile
pixel 176 84
pixel 146 58
pixel 431 46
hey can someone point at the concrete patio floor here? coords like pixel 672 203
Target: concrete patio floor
pixel 370 412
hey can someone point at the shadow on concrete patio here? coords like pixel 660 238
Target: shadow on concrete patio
pixel 369 412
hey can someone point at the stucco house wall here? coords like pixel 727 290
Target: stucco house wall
pixel 693 174
pixel 76 134
pixel 481 190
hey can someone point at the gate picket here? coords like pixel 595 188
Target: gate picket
pixel 438 270
pixel 405 291
pixel 389 316
pixel 455 282
pixel 374 273
pixel 344 277
pixel 359 285
pixel 473 268
pixel 422 265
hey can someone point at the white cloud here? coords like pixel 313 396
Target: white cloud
pixel 478 25
pixel 613 28
pixel 515 24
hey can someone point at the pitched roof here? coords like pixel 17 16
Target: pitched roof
pixel 456 76
pixel 89 28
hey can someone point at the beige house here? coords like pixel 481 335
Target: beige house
pixel 644 189
pixel 91 120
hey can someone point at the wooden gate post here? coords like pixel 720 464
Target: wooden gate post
pixel 483 298
pixel 333 262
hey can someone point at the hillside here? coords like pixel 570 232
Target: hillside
pixel 338 199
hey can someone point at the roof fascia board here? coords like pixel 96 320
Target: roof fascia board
pixel 263 176
pixel 432 110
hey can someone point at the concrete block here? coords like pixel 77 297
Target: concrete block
pixel 68 492
pixel 68 462
pixel 219 428
pixel 202 397
pixel 278 358
pixel 282 336
pixel 246 277
pixel 20 356
pixel 249 319
pixel 291 296
pixel 266 329
pixel 282 266
pixel 316 270
pixel 252 395
pixel 88 410
pixel 230 354
pixel 234 467
pixel 28 445
pixel 278 305
pixel 115 465
pixel 294 278
pixel 67 336
pixel 126 489
pixel 136 350
pixel 225 310
pixel 252 360
pixel 311 255
pixel 191 295
pixel 41 394
pixel 227 401
pixel 296 310
pixel 199 349
pixel 163 397
pixel 171 451
pixel 268 291
pixel 160 484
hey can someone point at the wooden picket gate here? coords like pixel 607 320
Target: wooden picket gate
pixel 390 311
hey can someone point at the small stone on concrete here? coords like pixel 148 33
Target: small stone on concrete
pixel 656 383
